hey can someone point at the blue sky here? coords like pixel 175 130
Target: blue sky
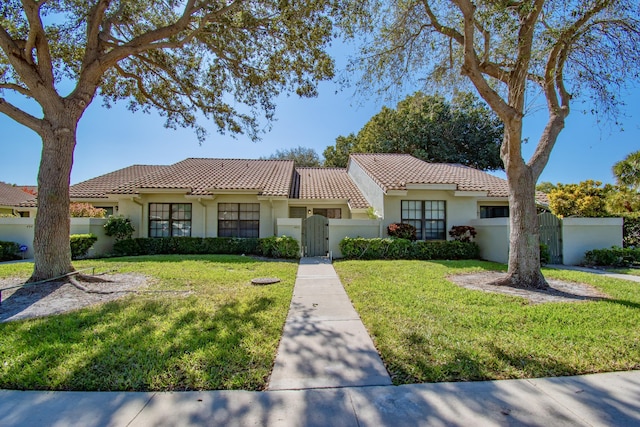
pixel 109 139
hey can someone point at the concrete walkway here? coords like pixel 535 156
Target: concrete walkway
pixel 629 277
pixel 611 399
pixel 324 343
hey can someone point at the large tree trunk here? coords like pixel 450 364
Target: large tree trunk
pixel 51 247
pixel 524 235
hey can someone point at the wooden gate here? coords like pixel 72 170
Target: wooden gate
pixel 551 235
pixel 316 239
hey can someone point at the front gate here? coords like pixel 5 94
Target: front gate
pixel 551 235
pixel 316 235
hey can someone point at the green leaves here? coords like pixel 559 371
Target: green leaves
pixel 461 131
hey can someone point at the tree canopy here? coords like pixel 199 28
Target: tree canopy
pixel 302 156
pixel 511 52
pixel 224 60
pixel 428 127
pixel 627 171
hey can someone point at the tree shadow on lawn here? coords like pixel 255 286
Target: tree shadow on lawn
pixel 197 350
pixel 18 300
pixel 463 365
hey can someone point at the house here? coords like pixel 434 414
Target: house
pixel 16 201
pixel 258 198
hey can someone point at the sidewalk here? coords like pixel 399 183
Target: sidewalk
pixel 328 373
pixel 324 343
pixel 596 271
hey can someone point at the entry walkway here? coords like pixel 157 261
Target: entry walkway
pixel 324 343
pixel 629 277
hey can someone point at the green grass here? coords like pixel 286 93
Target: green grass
pixel 632 271
pixel 428 329
pixel 222 335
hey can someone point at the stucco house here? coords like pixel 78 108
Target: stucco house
pixel 16 201
pixel 258 198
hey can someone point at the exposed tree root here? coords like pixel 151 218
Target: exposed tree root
pixel 513 281
pixel 72 280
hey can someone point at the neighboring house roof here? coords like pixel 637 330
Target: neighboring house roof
pixel 11 195
pixel 202 177
pixel 396 171
pixel 327 183
pixel 97 188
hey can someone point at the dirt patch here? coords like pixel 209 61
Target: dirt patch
pixel 559 291
pixel 58 297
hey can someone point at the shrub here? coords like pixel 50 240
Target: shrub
pixel 279 247
pixel 631 232
pixel 9 251
pixel 545 254
pixel 401 230
pixel 462 233
pixel 614 256
pixel 359 248
pixel 119 227
pixel 85 210
pixel 81 243
pixel 207 245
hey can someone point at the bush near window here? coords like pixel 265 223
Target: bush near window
pixel 614 256
pixel 277 247
pixel 80 244
pixel 462 233
pixel 401 230
pixel 9 251
pixel 119 227
pixel 360 248
pixel 85 210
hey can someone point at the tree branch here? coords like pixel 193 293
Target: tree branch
pixel 37 39
pixel 16 87
pixel 20 116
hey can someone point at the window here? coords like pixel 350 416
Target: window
pixel 239 219
pixel 335 213
pixel 494 211
pixel 169 219
pixel 427 216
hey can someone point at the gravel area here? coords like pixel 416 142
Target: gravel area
pixel 59 297
pixel 559 291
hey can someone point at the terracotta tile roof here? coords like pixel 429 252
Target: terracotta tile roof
pixel 201 177
pixel 13 195
pixel 395 171
pixel 97 188
pixel 327 183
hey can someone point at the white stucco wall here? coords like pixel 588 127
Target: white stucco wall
pixel 21 231
pixel 493 238
pixel 291 227
pixel 341 228
pixel 368 187
pixel 584 234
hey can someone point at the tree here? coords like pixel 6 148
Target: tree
pixel 510 52
pixel 302 156
pixel 546 187
pixel 464 131
pixel 586 199
pixel 627 171
pixel 178 57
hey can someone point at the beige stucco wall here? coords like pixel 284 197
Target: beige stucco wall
pixel 459 210
pixel 583 234
pixel 104 244
pixel 341 228
pixel 291 227
pixel 493 238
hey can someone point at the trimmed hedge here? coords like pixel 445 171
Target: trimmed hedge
pixel 9 251
pixel 360 248
pixel 81 243
pixel 615 257
pixel 277 247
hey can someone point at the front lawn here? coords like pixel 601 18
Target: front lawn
pixel 222 334
pixel 429 329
